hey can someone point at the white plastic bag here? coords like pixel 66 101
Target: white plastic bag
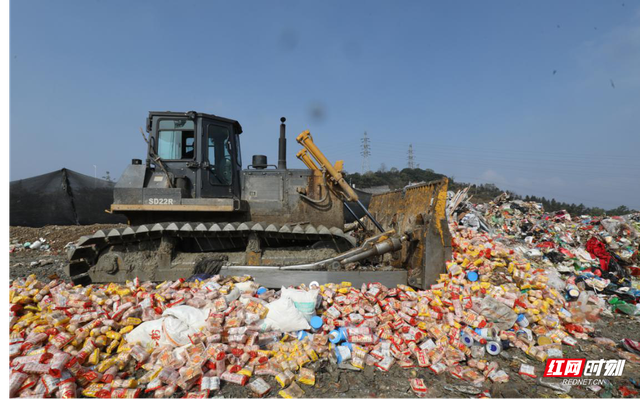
pixel 177 332
pixel 148 334
pixel 283 316
pixel 174 328
pixel 555 280
pixel 193 317
pixel 502 316
pixel 304 301
pixel 165 331
pixel 233 295
pixel 471 221
pixel 246 286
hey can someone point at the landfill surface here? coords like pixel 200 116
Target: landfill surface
pixel 523 287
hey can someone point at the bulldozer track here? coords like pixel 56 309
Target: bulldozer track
pixel 202 237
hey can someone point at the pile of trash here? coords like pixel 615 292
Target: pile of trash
pixel 520 280
pixel 39 244
pixel 192 337
pixel 598 254
pixel 122 340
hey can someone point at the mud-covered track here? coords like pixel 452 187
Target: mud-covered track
pixel 201 238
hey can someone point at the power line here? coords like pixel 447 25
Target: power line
pixel 366 151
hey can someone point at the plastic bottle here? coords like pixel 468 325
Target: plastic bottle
pixel 522 320
pixel 626 308
pixel 342 353
pixel 316 323
pixel 466 339
pixel 338 335
pixel 572 292
pixel 493 347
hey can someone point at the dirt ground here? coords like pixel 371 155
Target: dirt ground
pixel 56 236
pixel 332 381
pixel 45 264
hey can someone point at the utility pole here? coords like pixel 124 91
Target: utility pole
pixel 365 153
pixel 410 157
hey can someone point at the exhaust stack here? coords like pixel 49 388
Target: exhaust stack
pixel 282 146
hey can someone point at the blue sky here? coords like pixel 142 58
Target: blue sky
pixel 471 85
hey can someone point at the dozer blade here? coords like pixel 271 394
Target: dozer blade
pixel 419 212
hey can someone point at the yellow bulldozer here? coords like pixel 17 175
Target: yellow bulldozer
pixel 193 209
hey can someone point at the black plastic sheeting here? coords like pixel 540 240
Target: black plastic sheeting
pixel 63 197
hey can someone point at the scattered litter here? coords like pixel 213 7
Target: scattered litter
pixel 520 282
pixel 555 386
pixel 528 370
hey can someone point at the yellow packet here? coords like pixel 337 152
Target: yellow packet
pixel 247 370
pixel 21 299
pixel 91 391
pixel 106 364
pixel 40 328
pixel 113 345
pixel 294 391
pixel 94 358
pixel 125 330
pixel 123 346
pixel 312 354
pixel 101 340
pixel 132 321
pixel 113 335
pixel 129 383
pixel 284 378
pixel 307 376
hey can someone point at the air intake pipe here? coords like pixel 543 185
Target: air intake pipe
pixel 282 145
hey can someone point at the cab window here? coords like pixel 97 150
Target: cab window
pixel 219 155
pixel 176 139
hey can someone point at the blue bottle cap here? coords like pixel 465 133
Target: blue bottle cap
pixel 261 290
pixel 335 336
pixel 520 317
pixel 316 322
pixel 472 276
pixel 301 334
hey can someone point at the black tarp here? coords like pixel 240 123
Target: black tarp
pixel 63 197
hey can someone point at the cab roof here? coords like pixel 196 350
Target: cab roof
pixel 194 114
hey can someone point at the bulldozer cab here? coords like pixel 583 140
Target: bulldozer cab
pixel 200 151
